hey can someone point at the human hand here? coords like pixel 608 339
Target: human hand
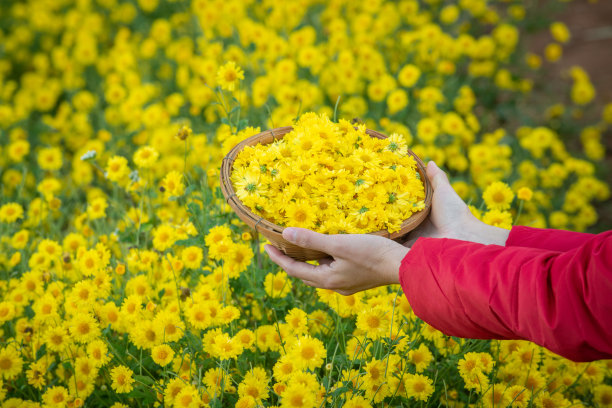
pixel 358 261
pixel 450 217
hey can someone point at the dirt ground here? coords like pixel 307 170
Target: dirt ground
pixel 590 24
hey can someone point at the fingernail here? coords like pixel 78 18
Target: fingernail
pixel 290 234
pixel 433 162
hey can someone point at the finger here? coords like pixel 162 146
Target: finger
pixel 306 238
pixel 300 270
pixel 310 283
pixel 436 176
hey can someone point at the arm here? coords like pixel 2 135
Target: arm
pixel 554 240
pixel 451 218
pixel 560 300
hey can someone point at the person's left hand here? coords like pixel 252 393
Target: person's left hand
pixel 358 261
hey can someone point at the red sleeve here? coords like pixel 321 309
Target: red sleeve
pixel 560 300
pixel 552 239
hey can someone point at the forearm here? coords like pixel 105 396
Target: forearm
pixel 481 233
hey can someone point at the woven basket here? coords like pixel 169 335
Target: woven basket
pixel 274 232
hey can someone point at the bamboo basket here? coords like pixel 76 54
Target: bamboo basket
pixel 274 232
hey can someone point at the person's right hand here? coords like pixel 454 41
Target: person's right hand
pixel 450 217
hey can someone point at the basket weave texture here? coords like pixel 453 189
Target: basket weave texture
pixel 274 232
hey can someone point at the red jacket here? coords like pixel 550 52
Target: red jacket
pixel 551 287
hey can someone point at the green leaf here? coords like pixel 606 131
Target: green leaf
pixel 144 379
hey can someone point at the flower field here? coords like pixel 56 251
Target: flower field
pixel 128 281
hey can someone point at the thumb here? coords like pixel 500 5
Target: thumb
pixel 436 176
pixel 306 238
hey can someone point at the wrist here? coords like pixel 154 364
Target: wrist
pixel 479 232
pixel 393 263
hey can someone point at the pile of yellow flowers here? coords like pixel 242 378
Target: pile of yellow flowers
pixel 333 178
pixel 126 279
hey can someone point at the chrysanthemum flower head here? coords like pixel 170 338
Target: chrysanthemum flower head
pixel 229 75
pixel 122 379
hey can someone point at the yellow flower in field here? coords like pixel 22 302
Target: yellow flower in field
pixel 277 285
pixel 427 130
pixel 373 322
pixel 602 395
pixel 238 259
pixel 582 92
pixel 97 208
pixel 162 354
pixel 227 315
pixel 173 185
pixel 217 234
pixel 357 401
pixel 418 386
pixel 84 328
pixel 297 320
pixel 18 150
pixel 255 384
pixel 56 397
pixel 7 311
pixel 57 338
pixel 453 124
pixel 188 397
pixel 117 168
pixel 409 75
pixel 198 315
pixel 560 32
pixel 298 396
pixel 169 325
pixel 308 352
pixel 164 237
pixel 192 257
pixel 89 262
pixel 172 389
pixel 246 338
pixel 496 396
pixel 98 352
pixel 36 374
pixel 50 158
pixel 396 101
pixel 122 379
pixel 498 196
pixel 11 212
pixel 246 401
pixel 229 75
pixel 85 368
pixel 284 368
pixel 533 60
pixel 224 347
pixel 553 52
pixel 20 239
pixel 114 94
pixel 221 250
pixel 10 362
pixel 524 193
pixel 420 357
pixel 606 114
pixel 145 157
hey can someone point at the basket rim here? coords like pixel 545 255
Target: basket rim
pixel 229 193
